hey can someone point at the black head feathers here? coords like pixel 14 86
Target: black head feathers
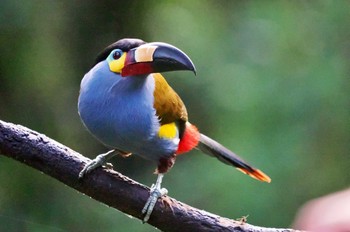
pixel 123 44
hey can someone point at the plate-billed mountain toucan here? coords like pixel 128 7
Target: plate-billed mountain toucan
pixel 128 106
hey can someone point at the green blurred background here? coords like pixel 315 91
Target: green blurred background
pixel 273 85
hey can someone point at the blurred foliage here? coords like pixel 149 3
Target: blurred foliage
pixel 273 85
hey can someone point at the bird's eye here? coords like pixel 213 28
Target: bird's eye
pixel 117 54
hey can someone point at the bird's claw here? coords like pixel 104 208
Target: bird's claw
pixel 93 164
pixel 108 165
pixel 155 193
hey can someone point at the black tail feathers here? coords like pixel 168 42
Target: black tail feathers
pixel 213 148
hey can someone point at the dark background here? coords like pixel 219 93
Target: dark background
pixel 272 85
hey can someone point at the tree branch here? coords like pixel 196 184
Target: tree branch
pixel 107 186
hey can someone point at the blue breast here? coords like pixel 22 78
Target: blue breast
pixel 119 112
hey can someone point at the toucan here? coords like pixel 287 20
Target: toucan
pixel 127 105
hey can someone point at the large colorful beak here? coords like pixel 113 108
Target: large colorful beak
pixel 154 58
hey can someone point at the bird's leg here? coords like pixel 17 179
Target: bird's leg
pixel 155 193
pixel 97 162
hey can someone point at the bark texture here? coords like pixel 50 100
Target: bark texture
pixel 108 186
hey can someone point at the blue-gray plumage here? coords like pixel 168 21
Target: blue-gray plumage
pixel 119 112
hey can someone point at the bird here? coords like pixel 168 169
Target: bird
pixel 126 104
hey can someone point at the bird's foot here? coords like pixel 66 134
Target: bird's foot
pixel 99 161
pixel 156 192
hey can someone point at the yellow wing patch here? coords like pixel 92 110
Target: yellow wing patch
pixel 167 103
pixel 168 131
